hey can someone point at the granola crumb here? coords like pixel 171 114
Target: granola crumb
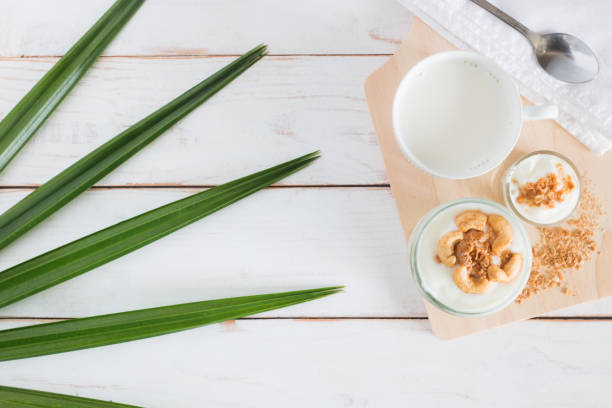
pixel 547 190
pixel 566 248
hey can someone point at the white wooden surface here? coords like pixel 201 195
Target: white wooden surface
pixel 283 107
pixel 334 223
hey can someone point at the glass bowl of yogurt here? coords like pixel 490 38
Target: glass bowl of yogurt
pixel 435 279
pixel 543 188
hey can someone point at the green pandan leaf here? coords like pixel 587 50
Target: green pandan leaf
pixel 32 111
pixel 82 255
pixel 23 398
pixel 68 335
pixel 71 182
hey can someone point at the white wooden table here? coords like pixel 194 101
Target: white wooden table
pixel 333 223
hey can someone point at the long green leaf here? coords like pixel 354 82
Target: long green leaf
pixel 32 111
pixel 68 335
pixel 23 398
pixel 82 255
pixel 77 178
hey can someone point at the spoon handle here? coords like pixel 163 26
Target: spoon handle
pixel 505 18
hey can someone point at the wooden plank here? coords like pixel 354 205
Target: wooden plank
pixel 281 108
pixel 380 363
pixel 276 240
pixel 203 27
pixel 279 239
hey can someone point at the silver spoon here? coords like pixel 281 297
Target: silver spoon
pixel 562 56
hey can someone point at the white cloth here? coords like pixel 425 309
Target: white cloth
pixel 585 110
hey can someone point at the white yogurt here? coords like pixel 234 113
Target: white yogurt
pixel 531 169
pixel 437 278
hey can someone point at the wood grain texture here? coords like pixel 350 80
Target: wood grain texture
pixel 373 363
pixel 209 27
pixel 417 192
pixel 265 243
pixel 282 107
pixel 279 239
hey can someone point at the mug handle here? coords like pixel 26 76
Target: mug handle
pixel 538 112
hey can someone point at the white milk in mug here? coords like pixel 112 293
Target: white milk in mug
pixel 458 115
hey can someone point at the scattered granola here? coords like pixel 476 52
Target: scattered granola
pixel 564 249
pixel 474 252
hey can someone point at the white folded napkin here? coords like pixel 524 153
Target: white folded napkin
pixel 585 110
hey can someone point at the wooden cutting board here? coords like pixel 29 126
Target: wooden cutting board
pixel 416 192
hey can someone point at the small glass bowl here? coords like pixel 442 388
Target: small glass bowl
pixel 507 183
pixel 415 240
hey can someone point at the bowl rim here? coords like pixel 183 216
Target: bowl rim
pixel 507 181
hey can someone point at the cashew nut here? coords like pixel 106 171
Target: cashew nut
pixel 478 236
pixel 502 231
pixel 507 272
pixel 468 283
pixel 446 247
pixel 471 219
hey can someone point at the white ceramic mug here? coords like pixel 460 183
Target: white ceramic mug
pixel 458 115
